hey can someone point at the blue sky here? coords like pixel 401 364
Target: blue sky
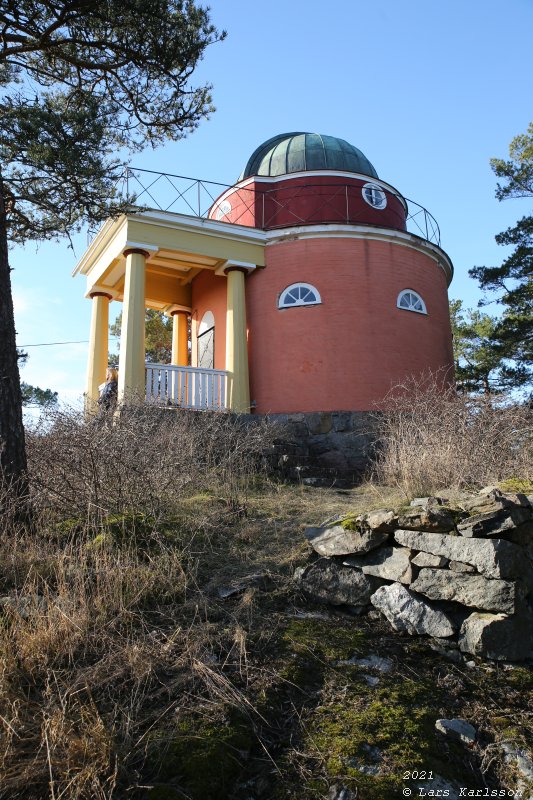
pixel 428 91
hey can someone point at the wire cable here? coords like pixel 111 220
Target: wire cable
pixel 52 344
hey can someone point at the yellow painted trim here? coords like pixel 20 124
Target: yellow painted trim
pixel 205 243
pixel 114 235
pixel 98 351
pixel 238 392
pixel 98 259
pixel 109 235
pixel 131 374
pixel 177 307
pixel 197 243
pixel 167 289
pixel 180 349
pixel 100 288
pixel 221 270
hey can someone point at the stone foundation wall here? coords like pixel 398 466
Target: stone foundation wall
pixel 323 446
pixel 462 574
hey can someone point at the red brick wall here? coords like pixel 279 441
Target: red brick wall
pixel 308 199
pixel 347 352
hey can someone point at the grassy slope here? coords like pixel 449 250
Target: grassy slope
pixel 126 675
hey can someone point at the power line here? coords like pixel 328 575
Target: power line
pixel 51 344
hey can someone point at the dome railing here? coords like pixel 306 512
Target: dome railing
pixel 275 208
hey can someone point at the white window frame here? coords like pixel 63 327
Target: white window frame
pixel 281 304
pixel 423 310
pixel 223 209
pixel 379 190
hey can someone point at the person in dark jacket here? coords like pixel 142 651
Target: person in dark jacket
pixel 109 391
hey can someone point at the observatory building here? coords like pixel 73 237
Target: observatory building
pixel 311 285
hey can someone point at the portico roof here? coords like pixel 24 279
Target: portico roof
pixel 178 248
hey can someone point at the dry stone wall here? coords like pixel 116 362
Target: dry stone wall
pixel 461 573
pixel 320 447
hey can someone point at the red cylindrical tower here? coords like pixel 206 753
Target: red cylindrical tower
pixel 350 301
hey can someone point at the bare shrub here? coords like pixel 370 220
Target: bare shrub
pixel 430 438
pixel 100 592
pixel 143 460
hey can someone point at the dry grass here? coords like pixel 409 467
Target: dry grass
pixel 74 639
pixel 100 598
pixel 118 655
pixel 110 625
pixel 106 638
pixel 430 439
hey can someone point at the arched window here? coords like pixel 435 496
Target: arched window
pixel 411 301
pixel 374 196
pixel 299 294
pixel 206 341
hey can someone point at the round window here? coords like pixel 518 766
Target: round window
pixel 374 196
pixel 223 208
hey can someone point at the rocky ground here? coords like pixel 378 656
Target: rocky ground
pixel 196 666
pixel 343 708
pixel 460 572
pixel 347 707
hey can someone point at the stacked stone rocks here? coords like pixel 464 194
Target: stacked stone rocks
pixel 318 447
pixel 462 574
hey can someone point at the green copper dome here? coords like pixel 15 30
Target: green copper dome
pixel 301 152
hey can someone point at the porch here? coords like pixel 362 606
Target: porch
pixel 150 259
pixel 187 387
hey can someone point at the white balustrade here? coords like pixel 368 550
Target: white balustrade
pixel 186 387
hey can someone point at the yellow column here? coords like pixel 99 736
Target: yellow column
pixel 180 348
pixel 98 348
pixel 131 367
pixel 238 394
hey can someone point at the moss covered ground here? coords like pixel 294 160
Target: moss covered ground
pixel 213 678
pixel 315 722
pixel 306 721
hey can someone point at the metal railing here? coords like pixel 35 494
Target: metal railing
pixel 164 191
pixel 186 387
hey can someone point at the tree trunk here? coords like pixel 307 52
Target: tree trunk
pixel 13 465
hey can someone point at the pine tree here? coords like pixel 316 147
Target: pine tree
pixel 158 336
pixel 34 395
pixel 512 282
pixel 479 366
pixel 83 83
